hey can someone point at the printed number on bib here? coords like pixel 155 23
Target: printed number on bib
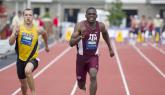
pixel 26 39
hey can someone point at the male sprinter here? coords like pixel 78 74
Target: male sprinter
pixel 26 37
pixel 86 37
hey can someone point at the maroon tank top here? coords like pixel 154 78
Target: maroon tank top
pixel 89 44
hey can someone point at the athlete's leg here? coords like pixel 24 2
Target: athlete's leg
pixel 21 75
pixel 28 72
pixel 81 72
pixel 81 77
pixel 24 86
pixel 93 69
pixel 93 79
pixel 81 85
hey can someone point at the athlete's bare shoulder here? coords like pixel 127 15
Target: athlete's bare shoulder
pixel 80 25
pixel 102 26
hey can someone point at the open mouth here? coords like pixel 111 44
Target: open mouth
pixel 28 21
pixel 91 19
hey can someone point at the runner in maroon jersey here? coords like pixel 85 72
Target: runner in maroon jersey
pixel 86 37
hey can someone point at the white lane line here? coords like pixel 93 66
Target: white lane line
pixel 8 66
pixel 46 67
pixel 12 64
pixel 158 49
pixel 121 69
pixel 74 89
pixel 149 61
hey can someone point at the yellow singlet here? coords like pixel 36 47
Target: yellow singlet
pixel 27 39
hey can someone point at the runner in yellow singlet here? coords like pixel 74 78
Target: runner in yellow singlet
pixel 26 37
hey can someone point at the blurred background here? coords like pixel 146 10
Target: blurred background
pixel 129 21
pixel 136 30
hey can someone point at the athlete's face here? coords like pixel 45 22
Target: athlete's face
pixel 28 16
pixel 91 15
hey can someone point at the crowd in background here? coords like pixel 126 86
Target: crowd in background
pixel 147 28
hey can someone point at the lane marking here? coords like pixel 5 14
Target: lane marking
pixel 121 69
pixel 149 61
pixel 8 66
pixel 158 49
pixel 46 67
pixel 74 89
pixel 12 64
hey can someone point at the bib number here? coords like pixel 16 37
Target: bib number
pixel 26 40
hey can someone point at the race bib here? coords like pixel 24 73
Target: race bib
pixel 91 45
pixel 26 40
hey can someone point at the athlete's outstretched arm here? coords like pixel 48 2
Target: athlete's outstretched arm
pixel 14 35
pixel 76 35
pixel 45 38
pixel 106 38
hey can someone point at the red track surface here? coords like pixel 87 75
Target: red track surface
pixel 135 77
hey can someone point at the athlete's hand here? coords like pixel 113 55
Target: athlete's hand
pixel 47 49
pixel 111 53
pixel 82 34
pixel 16 30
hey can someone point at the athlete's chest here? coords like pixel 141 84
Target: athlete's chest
pixel 91 35
pixel 27 37
pixel 91 39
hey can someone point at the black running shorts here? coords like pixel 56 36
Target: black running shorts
pixel 21 67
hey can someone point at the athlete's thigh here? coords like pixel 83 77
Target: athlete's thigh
pixel 31 65
pixel 81 70
pixel 21 69
pixel 93 62
pixel 93 66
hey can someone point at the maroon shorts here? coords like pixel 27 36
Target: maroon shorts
pixel 83 64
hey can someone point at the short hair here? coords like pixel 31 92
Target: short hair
pixel 90 8
pixel 27 9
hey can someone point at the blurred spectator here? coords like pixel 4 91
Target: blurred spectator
pixel 2 8
pixel 134 27
pixel 55 21
pixel 158 23
pixel 4 27
pixel 47 14
pixel 18 19
pixel 4 23
pixel 47 22
pixel 143 24
pixel 143 27
pixel 150 27
pixel 37 21
pixel 55 27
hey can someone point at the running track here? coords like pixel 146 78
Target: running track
pixel 135 70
